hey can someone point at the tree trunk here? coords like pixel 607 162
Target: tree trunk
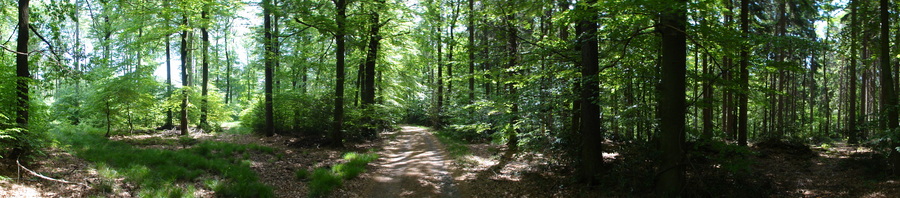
pixel 368 93
pixel 745 61
pixel 513 143
pixel 672 100
pixel 471 49
pixel 707 100
pixel 889 99
pixel 851 110
pixel 591 131
pixel 204 109
pixel 185 76
pixel 169 120
pixel 337 133
pixel 23 75
pixel 269 128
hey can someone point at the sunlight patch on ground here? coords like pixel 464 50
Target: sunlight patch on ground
pixel 9 189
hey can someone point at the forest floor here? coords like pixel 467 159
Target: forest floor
pixel 415 162
pixel 827 170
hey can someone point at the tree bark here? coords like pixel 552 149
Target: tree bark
pixel 23 75
pixel 745 61
pixel 337 127
pixel 471 49
pixel 851 110
pixel 269 128
pixel 672 101
pixel 591 144
pixel 204 107
pixel 889 99
pixel 185 76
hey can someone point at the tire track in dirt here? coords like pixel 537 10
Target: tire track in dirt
pixel 413 163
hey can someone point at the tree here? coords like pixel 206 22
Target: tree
pixel 744 74
pixel 204 90
pixel 185 73
pixel 337 134
pixel 269 128
pixel 23 75
pixel 672 102
pixel 592 148
pixel 888 96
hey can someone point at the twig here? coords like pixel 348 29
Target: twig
pixel 45 177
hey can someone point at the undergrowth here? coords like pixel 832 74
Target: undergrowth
pixel 158 172
pixel 455 144
pixel 323 181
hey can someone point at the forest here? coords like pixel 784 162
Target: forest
pixel 449 98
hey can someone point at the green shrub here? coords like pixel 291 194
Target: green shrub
pixel 302 174
pixel 323 182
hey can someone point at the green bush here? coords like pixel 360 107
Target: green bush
pixel 323 182
pixel 301 174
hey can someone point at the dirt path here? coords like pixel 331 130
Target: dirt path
pixel 413 163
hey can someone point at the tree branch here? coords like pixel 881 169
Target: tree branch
pixel 45 177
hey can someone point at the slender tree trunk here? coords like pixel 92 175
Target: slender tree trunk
pixel 268 40
pixel 513 44
pixel 185 76
pixel 851 98
pixel 204 107
pixel 471 49
pixel 672 100
pixel 169 121
pixel 23 75
pixel 337 133
pixel 228 93
pixel 592 143
pixel 707 100
pixel 745 61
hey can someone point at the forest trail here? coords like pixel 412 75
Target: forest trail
pixel 413 163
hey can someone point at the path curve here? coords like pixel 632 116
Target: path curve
pixel 413 163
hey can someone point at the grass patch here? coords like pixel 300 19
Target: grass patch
pixel 158 172
pixel 455 145
pixel 323 181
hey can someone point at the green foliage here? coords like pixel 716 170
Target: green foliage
pixel 323 181
pixel 156 171
pixel 301 174
pixel 218 111
pixel 731 157
pixel 126 101
pixel 454 141
pixel 16 140
pixel 356 164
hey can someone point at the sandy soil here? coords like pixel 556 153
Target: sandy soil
pixel 412 163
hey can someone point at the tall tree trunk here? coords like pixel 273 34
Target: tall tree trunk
pixel 23 75
pixel 228 93
pixel 337 133
pixel 851 98
pixel 185 75
pixel 889 99
pixel 672 100
pixel 269 128
pixel 169 120
pixel 707 100
pixel 204 107
pixel 471 49
pixel 513 44
pixel 368 90
pixel 745 61
pixel 591 131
